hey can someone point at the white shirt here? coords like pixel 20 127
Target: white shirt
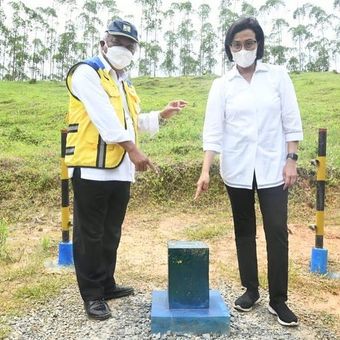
pixel 249 124
pixel 87 87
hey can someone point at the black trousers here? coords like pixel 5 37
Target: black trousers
pixel 273 205
pixel 99 211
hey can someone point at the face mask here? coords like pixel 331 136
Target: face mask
pixel 244 58
pixel 119 57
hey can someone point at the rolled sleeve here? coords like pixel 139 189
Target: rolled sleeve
pixel 86 86
pixel 149 122
pixel 214 118
pixel 291 119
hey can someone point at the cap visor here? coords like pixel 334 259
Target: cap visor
pixel 122 34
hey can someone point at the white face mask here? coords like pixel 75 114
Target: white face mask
pixel 244 58
pixel 119 56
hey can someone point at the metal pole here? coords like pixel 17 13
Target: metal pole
pixel 65 205
pixel 320 188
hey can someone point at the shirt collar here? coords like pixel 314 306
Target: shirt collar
pixel 260 67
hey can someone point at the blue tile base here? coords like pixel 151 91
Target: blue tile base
pixel 318 263
pixel 65 254
pixel 215 319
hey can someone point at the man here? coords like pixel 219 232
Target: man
pixel 102 156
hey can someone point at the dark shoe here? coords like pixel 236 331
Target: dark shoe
pixel 284 315
pixel 118 292
pixel 97 309
pixel 246 301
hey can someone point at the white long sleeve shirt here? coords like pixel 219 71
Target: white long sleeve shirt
pixel 249 125
pixel 86 86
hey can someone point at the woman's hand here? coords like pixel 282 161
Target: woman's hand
pixel 202 184
pixel 289 173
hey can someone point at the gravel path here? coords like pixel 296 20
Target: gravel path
pixel 64 318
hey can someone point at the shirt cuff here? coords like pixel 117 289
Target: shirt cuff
pixel 154 119
pixel 212 147
pixel 294 136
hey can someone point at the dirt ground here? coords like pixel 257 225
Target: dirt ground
pixel 142 260
pixel 143 255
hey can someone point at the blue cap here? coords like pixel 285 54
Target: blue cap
pixel 123 28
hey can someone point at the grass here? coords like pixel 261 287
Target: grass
pixel 30 136
pixel 3 240
pixel 320 108
pixel 30 124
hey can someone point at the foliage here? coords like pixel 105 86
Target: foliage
pixel 33 45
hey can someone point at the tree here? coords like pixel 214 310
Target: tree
pixel 4 33
pixel 299 34
pixel 170 38
pixel 90 21
pixel 226 18
pixel 248 10
pixel 151 22
pixel 169 62
pixel 205 30
pixel 277 29
pixel 208 48
pixel 293 64
pixel 185 34
pixel 111 9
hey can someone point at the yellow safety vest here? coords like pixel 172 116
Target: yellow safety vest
pixel 84 145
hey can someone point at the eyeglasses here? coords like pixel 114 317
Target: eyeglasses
pixel 116 41
pixel 248 45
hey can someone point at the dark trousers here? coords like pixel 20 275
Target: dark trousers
pixel 273 205
pixel 99 211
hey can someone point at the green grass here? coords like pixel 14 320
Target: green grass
pixel 319 100
pixel 31 116
pixel 207 232
pixel 3 240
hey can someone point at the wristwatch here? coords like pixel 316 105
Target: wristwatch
pixel 292 156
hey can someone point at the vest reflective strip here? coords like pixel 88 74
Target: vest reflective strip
pixel 69 150
pixel 73 128
pixel 101 153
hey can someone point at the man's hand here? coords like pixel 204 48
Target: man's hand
pixel 202 184
pixel 289 173
pixel 141 162
pixel 172 108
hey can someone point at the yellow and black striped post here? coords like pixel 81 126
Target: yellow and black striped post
pixel 320 188
pixel 65 204
pixel 65 246
pixel 319 256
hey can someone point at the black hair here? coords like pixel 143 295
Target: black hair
pixel 240 25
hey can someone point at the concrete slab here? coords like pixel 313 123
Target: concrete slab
pixel 215 319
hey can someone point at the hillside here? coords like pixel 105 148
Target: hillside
pixel 31 116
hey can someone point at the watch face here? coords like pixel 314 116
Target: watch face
pixel 293 156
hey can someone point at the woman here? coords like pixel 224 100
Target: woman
pixel 252 120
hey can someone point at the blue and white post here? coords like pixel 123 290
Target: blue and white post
pixel 65 246
pixel 319 256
